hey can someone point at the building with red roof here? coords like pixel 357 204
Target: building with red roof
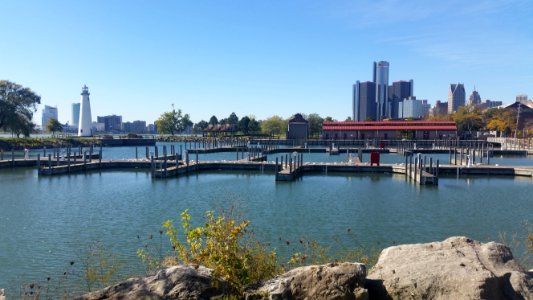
pixel 389 130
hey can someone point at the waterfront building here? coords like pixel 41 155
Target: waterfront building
pixel 398 92
pixel 490 104
pixel 49 112
pixel 151 128
pixel 521 98
pixel 456 97
pixel 134 127
pixel 381 79
pixel 298 128
pixel 85 124
pixel 411 108
pixel 386 130
pixel 75 116
pixel 98 127
pixel 440 109
pixel 113 123
pixel 474 98
pixel 364 101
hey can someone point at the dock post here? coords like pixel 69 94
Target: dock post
pixel 85 161
pixel 196 157
pixel 360 154
pixel 237 151
pixel 406 159
pixel 44 152
pixel 181 151
pixel 290 164
pixel 156 151
pixel 177 162
pixel 431 165
pixel 152 165
pixel 68 162
pixel 437 170
pixel 136 153
pixel 50 162
pixel 1 154
pixel 100 158
pixel 416 166
pixel 276 170
pixel 450 155
pixel 12 157
pixel 281 162
pixel 38 161
pixel 146 153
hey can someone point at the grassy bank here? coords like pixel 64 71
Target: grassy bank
pixel 7 144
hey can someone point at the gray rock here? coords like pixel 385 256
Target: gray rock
pixel 179 282
pixel 457 268
pixel 331 281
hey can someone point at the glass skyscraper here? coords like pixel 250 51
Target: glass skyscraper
pixel 381 78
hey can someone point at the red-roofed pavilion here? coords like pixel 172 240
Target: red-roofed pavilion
pixel 389 130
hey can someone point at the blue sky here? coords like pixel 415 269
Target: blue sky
pixel 259 57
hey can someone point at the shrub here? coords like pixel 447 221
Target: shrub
pixel 223 244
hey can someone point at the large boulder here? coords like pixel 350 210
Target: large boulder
pixel 457 268
pixel 330 281
pixel 178 282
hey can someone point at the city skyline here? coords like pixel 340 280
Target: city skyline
pixel 257 58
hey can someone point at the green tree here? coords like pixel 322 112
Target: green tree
pixel 315 124
pixel 348 119
pixel 172 122
pixel 467 119
pixel 200 126
pixel 213 120
pixel 253 126
pixel 17 105
pixel 243 125
pixel 53 126
pixel 233 119
pixel 274 125
pixel 19 124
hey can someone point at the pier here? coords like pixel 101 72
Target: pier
pixel 463 161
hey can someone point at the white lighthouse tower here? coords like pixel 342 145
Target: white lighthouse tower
pixel 84 127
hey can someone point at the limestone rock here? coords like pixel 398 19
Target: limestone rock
pixel 457 268
pixel 178 282
pixel 330 281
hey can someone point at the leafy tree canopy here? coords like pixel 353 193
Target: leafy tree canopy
pixel 54 126
pixel 17 105
pixel 172 122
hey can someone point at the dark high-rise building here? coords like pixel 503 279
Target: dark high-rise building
pixel 399 91
pixel 381 79
pixel 364 101
pixel 112 123
pixel 474 99
pixel 440 108
pixel 456 97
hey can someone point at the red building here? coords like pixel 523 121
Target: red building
pixel 389 130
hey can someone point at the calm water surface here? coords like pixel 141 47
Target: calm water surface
pixel 47 222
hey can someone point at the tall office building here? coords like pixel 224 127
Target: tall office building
pixel 85 124
pixel 521 98
pixel 474 99
pixel 75 117
pixel 456 97
pixel 398 92
pixel 49 112
pixel 364 101
pixel 381 79
pixel 413 108
pixel 111 123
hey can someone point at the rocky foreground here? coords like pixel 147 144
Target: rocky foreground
pixel 457 268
